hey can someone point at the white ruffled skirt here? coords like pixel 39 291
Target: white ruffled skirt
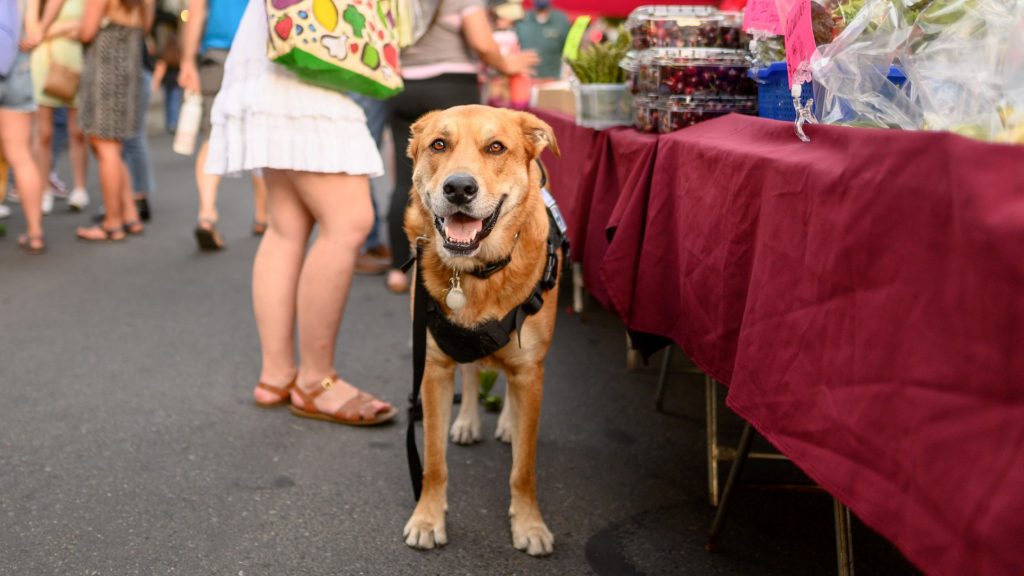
pixel 265 117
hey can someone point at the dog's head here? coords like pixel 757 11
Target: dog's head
pixel 474 177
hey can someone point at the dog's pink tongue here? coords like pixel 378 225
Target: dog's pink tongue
pixel 462 228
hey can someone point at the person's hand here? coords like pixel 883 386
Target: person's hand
pixel 188 76
pixel 30 40
pixel 521 63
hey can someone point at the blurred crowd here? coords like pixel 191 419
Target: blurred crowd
pixel 86 70
pixel 78 79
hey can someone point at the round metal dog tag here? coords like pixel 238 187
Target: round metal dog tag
pixel 456 299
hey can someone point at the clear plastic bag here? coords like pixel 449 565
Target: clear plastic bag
pixel 963 61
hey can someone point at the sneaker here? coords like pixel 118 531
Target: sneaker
pixel 374 261
pixel 78 199
pixel 5 211
pixel 58 187
pixel 47 202
pixel 12 195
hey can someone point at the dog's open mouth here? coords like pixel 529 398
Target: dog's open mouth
pixel 462 233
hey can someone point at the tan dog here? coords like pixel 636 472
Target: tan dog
pixel 476 201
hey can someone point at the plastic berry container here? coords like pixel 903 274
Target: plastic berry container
pixel 731 33
pixel 674 26
pixel 704 72
pixel 646 113
pixel 631 65
pixel 681 112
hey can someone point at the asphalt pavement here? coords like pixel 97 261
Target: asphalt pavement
pixel 129 443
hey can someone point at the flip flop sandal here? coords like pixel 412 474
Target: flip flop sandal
pixel 108 235
pixel 25 243
pixel 209 239
pixel 281 395
pixel 358 411
pixel 134 228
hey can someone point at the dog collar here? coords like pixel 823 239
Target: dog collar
pixel 487 270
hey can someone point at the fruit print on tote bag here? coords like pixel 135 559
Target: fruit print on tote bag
pixel 345 45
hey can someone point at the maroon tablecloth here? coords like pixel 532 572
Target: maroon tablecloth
pixel 861 295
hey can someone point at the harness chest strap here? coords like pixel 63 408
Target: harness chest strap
pixel 467 345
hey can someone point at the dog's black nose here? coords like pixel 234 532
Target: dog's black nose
pixel 460 189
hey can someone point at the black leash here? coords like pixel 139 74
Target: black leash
pixel 419 360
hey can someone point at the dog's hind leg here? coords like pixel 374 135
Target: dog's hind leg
pixel 466 428
pixel 426 528
pixel 529 532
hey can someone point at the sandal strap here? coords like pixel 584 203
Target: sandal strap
pixel 279 391
pixel 356 407
pixel 309 397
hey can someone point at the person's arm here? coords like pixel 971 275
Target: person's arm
pixel 159 70
pixel 477 31
pixel 34 32
pixel 188 75
pixel 148 14
pixel 92 17
pixel 65 29
pixel 53 8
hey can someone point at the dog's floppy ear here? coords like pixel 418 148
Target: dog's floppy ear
pixel 538 135
pixel 416 130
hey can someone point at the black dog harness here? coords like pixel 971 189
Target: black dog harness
pixel 467 345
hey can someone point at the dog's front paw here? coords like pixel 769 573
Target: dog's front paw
pixel 533 537
pixel 466 430
pixel 424 533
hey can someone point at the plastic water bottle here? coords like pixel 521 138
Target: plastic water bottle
pixel 188 124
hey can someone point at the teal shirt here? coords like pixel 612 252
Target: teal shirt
pixel 222 20
pixel 545 39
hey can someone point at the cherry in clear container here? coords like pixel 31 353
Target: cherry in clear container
pixel 646 114
pixel 681 112
pixel 695 72
pixel 684 27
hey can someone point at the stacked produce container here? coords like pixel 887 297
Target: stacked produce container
pixel 688 64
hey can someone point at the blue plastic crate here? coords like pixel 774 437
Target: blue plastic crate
pixel 774 99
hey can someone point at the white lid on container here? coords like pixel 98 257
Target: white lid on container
pixel 682 15
pixel 696 56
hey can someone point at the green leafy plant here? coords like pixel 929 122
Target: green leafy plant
pixel 599 63
pixel 487 380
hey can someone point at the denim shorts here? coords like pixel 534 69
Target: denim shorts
pixel 16 88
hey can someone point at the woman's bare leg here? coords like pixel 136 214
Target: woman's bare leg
pixel 16 142
pixel 275 280
pixel 341 205
pixel 112 175
pixel 77 150
pixel 44 140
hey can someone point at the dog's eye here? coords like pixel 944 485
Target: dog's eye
pixel 439 145
pixel 496 148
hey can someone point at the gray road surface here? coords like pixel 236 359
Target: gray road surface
pixel 129 443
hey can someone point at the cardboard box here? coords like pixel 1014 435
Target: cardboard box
pixel 555 96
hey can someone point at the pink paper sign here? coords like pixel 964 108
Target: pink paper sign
pixel 762 15
pixel 799 39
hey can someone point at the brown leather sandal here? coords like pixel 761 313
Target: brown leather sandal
pixel 358 411
pixel 281 395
